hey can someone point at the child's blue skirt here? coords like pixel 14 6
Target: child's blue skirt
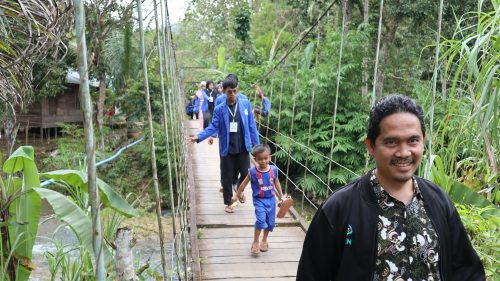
pixel 265 212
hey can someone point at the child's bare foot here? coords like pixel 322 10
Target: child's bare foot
pixel 264 246
pixel 255 248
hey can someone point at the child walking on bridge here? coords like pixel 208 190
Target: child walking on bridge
pixel 264 179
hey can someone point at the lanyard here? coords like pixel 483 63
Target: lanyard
pixel 235 110
pixel 211 93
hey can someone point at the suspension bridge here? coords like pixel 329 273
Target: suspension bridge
pixel 207 243
pixel 221 241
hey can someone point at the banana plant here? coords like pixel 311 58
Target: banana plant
pixel 21 197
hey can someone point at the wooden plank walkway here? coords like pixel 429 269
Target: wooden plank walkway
pixel 223 240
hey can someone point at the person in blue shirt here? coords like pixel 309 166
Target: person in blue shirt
pixel 234 123
pixel 190 107
pixel 264 181
pixel 264 107
pixel 212 94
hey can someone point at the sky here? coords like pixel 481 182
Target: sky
pixel 176 8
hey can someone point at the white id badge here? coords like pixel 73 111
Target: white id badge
pixel 233 127
pixel 211 99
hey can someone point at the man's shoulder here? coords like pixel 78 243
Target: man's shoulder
pixel 343 195
pixel 244 101
pixel 429 188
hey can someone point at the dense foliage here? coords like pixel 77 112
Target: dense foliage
pixel 303 89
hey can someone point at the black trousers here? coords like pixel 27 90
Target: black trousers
pixel 232 165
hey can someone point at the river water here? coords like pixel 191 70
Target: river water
pixel 51 230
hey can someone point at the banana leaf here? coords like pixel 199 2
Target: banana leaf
pixel 25 209
pixel 109 197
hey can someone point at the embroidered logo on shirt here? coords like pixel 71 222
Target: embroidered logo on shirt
pixel 348 240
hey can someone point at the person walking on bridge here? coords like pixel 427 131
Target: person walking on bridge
pixel 390 224
pixel 234 123
pixel 201 106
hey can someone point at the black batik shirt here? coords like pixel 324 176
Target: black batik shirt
pixel 408 246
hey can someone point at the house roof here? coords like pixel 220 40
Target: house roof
pixel 73 77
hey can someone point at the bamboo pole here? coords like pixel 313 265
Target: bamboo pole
pixel 100 272
pixel 152 141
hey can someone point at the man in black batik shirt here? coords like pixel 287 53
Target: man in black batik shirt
pixel 390 224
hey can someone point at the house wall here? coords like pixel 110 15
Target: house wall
pixel 63 108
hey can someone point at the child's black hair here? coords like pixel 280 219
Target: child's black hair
pixel 259 148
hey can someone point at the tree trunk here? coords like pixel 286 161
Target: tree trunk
pixel 100 109
pixel 387 39
pixel 347 10
pixel 124 256
pixel 10 130
pixel 364 86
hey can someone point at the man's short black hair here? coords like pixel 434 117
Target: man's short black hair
pixel 233 76
pixel 259 148
pixel 389 105
pixel 229 82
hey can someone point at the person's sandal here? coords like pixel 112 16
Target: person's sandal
pixel 229 209
pixel 242 198
pixel 255 248
pixel 264 246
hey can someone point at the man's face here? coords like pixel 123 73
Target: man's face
pixel 231 94
pixel 399 147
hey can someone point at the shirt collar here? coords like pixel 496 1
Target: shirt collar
pixel 382 195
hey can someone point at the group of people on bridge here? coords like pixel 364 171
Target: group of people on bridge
pixel 386 225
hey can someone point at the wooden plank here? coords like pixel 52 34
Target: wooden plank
pixel 246 270
pixel 214 233
pixel 267 257
pixel 246 252
pixel 246 243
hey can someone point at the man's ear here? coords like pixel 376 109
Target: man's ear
pixel 370 146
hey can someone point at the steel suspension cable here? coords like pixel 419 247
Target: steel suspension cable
pixel 270 99
pixel 313 151
pixel 279 108
pixel 176 92
pixel 297 43
pixel 167 141
pixel 342 33
pixel 151 136
pixel 294 97
pixel 312 107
